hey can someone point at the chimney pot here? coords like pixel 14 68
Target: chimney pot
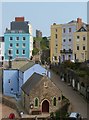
pixel 19 19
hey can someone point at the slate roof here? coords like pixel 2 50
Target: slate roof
pixel 27 66
pixel 82 29
pixel 20 64
pixel 31 82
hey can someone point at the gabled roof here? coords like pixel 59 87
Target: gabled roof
pixel 82 29
pixel 31 82
pixel 27 66
pixel 73 21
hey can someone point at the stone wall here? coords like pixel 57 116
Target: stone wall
pixel 45 90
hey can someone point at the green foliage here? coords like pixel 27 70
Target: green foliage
pixel 44 43
pixel 35 51
pixel 62 113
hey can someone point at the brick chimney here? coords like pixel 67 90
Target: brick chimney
pixel 19 19
pixel 79 23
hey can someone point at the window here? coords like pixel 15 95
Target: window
pixel 9 52
pixel 77 37
pixel 69 57
pixel 69 29
pixel 69 49
pixel 11 38
pixel 56 30
pixel 64 50
pixel 69 40
pixel 36 102
pixel 82 55
pixel 54 101
pixel 0 45
pixel 55 50
pixel 17 51
pixel 55 57
pixel 24 38
pixel 77 47
pixel 83 47
pixel 56 44
pixel 64 40
pixel 23 51
pixel 11 45
pixel 11 89
pixel 56 36
pixel 23 45
pixel 17 38
pixel 9 81
pixel 17 44
pixel 84 38
pixel 2 57
pixel 64 30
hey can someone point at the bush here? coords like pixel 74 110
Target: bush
pixel 35 51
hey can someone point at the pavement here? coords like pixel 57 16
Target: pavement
pixel 79 104
pixel 5 111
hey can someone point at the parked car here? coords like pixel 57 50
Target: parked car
pixel 11 116
pixel 21 114
pixel 75 116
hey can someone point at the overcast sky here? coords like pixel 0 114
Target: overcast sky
pixel 42 14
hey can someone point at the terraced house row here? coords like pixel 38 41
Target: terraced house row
pixel 69 41
pixel 17 41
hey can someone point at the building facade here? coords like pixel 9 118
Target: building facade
pixel 81 45
pixel 67 40
pixel 19 39
pixel 55 43
pixel 16 44
pixel 31 39
pixel 61 44
pixel 1 49
pixel 14 78
pixel 37 95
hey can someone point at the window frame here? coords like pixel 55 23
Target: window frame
pixel 36 105
pixel 54 101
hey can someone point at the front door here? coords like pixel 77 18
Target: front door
pixel 45 106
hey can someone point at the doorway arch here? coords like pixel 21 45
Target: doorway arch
pixel 45 106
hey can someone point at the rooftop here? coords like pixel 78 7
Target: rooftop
pixel 21 64
pixel 27 66
pixel 31 82
pixel 14 31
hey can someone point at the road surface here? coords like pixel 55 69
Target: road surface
pixel 79 104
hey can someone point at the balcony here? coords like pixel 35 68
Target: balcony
pixel 66 51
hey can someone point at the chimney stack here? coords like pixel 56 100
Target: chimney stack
pixel 19 19
pixel 79 23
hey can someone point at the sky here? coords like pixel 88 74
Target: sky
pixel 42 15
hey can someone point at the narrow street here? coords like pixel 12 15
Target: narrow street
pixel 79 104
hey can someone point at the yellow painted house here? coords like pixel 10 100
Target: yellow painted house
pixel 81 45
pixel 55 43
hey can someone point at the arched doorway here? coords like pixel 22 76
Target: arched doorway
pixel 45 106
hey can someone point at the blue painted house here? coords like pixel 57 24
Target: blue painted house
pixel 13 79
pixel 17 44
